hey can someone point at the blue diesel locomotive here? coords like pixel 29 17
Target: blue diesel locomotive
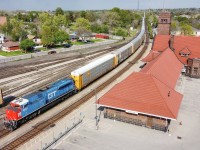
pixel 22 109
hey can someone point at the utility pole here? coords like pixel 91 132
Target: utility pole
pixel 138 4
pixel 96 109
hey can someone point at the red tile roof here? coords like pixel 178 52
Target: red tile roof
pixel 166 67
pixel 3 20
pixel 180 43
pixel 161 42
pixel 151 56
pixel 190 42
pixel 145 94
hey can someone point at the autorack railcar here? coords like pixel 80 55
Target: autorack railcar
pixel 90 72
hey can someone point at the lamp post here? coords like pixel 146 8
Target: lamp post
pixel 96 108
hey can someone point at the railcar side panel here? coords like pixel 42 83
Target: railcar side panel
pixel 124 54
pixel 98 71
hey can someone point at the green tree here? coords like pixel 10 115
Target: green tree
pixel 111 19
pixel 26 45
pixel 82 27
pixel 121 32
pixel 59 11
pixel 174 26
pixel 61 36
pixel 186 29
pixel 82 23
pixel 52 29
pixel 91 16
pixel 83 14
pixel 17 30
pixel 60 21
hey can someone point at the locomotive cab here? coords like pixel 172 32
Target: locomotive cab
pixel 13 113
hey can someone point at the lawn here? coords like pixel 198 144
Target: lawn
pixel 133 33
pixel 96 40
pixel 15 53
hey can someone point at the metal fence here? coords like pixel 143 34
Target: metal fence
pixel 32 55
pixel 46 139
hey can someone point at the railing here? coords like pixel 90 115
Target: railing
pixel 38 54
pixel 47 139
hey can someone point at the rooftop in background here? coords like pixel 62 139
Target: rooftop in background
pixel 180 43
pixel 3 20
pixel 145 94
pixel 10 44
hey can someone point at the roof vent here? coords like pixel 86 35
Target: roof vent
pixel 169 94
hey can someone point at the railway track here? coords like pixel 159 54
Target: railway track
pixel 41 126
pixel 21 69
pixel 58 70
pixel 63 71
pixel 3 132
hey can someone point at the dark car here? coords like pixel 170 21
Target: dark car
pixel 51 52
pixel 66 45
pixel 142 66
pixel 88 42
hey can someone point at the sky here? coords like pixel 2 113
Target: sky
pixel 95 4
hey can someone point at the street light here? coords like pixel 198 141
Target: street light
pixel 96 108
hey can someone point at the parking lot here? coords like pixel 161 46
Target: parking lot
pixel 112 135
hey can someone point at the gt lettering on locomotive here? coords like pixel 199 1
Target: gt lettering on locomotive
pixel 51 95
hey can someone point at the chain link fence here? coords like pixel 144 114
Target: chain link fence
pixel 38 54
pixel 47 138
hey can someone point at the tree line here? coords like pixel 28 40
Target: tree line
pixel 54 27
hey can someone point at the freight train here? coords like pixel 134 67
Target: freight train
pixel 27 107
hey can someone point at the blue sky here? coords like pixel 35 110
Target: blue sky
pixel 94 4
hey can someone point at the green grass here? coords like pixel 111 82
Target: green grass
pixel 78 43
pixel 96 40
pixel 133 33
pixel 14 53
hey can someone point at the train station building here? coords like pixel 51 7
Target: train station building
pixel 186 49
pixel 147 98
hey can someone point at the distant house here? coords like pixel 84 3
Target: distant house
pixel 2 38
pixel 196 32
pixel 35 39
pixel 73 36
pixel 3 20
pixel 10 46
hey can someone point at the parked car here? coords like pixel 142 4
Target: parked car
pixel 88 42
pixel 66 45
pixel 37 50
pixel 51 52
pixel 142 66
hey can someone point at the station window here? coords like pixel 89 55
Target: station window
pixel 195 70
pixel 164 20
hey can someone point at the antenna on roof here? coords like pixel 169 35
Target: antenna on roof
pixel 163 4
